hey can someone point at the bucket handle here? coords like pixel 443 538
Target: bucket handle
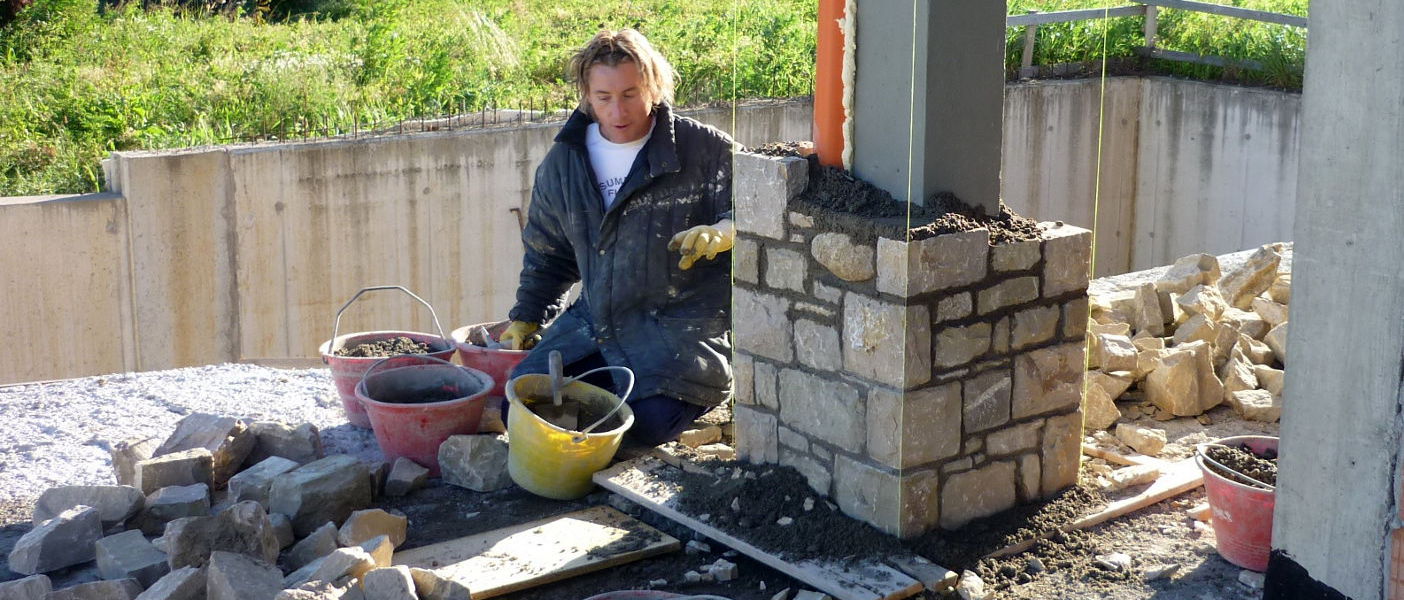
pixel 336 327
pixel 1199 450
pixel 628 389
pixel 382 361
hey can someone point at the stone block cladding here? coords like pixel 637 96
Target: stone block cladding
pixel 917 384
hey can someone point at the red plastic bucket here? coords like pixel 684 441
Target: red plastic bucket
pixel 406 425
pixel 346 371
pixel 1242 513
pixel 497 363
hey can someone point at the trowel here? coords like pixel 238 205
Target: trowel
pixel 565 415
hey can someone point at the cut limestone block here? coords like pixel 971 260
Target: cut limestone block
pixel 1197 328
pixel 1275 314
pixel 114 503
pixel 322 590
pixel 324 490
pixel 1202 300
pixel 1255 350
pixel 339 567
pixel 186 583
pixel 476 462
pixel 1245 322
pixel 1257 405
pixel 188 467
pixel 121 589
pixel 389 583
pixel 282 529
pixel 127 453
pixel 1225 339
pixel 1145 440
pixel 34 587
pixel 1251 278
pixel 242 529
pixel 228 440
pixel 237 577
pixel 405 476
pixel 380 549
pixel 1189 271
pixel 128 555
pixel 1281 290
pixel 693 438
pixel 379 471
pixel 429 586
pixel 253 483
pixel 1174 385
pixel 175 502
pixel 1114 353
pixel 62 541
pixel 363 525
pixel 316 545
pixel 1276 339
pixel 301 444
pixel 1103 389
pixel 1238 374
pixel 1269 378
pixel 1145 311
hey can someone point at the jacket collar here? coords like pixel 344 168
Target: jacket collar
pixel 661 150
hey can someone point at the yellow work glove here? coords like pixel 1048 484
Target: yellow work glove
pixel 703 241
pixel 520 335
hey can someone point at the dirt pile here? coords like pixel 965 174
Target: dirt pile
pixel 835 190
pixel 387 347
pixel 1241 460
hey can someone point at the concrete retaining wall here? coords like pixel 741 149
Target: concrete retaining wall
pixel 246 252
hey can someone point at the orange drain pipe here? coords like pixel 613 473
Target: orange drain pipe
pixel 828 85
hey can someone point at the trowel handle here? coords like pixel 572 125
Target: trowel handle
pixel 557 370
pixel 628 389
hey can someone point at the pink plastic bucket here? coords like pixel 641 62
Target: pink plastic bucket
pixel 346 371
pixel 1242 513
pixel 497 363
pixel 406 425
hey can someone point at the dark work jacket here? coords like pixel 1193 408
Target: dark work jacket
pixel 636 307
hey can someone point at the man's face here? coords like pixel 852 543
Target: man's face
pixel 617 98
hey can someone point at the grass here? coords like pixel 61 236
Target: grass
pixel 80 83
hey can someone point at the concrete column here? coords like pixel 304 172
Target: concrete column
pixel 1339 473
pixel 928 108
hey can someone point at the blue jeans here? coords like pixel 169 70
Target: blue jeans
pixel 657 419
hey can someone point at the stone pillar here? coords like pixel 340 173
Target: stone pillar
pixel 928 108
pixel 918 384
pixel 1335 524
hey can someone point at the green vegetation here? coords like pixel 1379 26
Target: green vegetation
pixel 79 83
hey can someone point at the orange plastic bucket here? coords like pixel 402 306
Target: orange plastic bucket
pixel 496 362
pixel 414 408
pixel 1242 513
pixel 347 371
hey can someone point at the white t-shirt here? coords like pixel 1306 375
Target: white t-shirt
pixel 611 161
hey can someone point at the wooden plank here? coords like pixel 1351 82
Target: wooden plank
pixel 638 480
pixel 1067 16
pixel 1131 460
pixel 1180 477
pixel 530 554
pixel 1230 11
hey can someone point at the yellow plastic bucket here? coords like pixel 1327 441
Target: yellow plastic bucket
pixel 557 463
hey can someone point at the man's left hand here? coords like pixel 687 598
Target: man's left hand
pixel 703 241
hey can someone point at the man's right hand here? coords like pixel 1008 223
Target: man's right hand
pixel 520 335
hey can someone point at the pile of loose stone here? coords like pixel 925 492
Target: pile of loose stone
pixel 243 511
pixel 1189 341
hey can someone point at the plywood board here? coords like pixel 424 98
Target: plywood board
pixel 530 554
pixel 639 481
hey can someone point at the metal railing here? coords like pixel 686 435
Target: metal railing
pixel 1150 9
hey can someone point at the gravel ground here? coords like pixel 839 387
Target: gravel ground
pixel 59 433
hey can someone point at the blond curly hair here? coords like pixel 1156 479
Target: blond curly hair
pixel 610 48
